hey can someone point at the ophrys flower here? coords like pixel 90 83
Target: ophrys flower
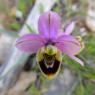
pixel 50 43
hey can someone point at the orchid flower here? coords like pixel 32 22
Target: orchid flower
pixel 51 43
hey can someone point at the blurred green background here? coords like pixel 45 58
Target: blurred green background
pixel 73 78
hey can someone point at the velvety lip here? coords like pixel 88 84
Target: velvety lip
pixel 51 70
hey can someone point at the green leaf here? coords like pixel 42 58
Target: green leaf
pixel 86 88
pixel 15 26
pixel 88 72
pixel 34 90
pixel 80 90
pixel 41 8
pixel 31 29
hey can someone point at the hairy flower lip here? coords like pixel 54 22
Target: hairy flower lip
pixel 49 70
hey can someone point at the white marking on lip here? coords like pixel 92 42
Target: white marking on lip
pixel 49 66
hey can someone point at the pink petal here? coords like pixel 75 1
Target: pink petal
pixel 68 44
pixel 69 28
pixel 60 33
pixel 49 24
pixel 76 59
pixel 30 43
